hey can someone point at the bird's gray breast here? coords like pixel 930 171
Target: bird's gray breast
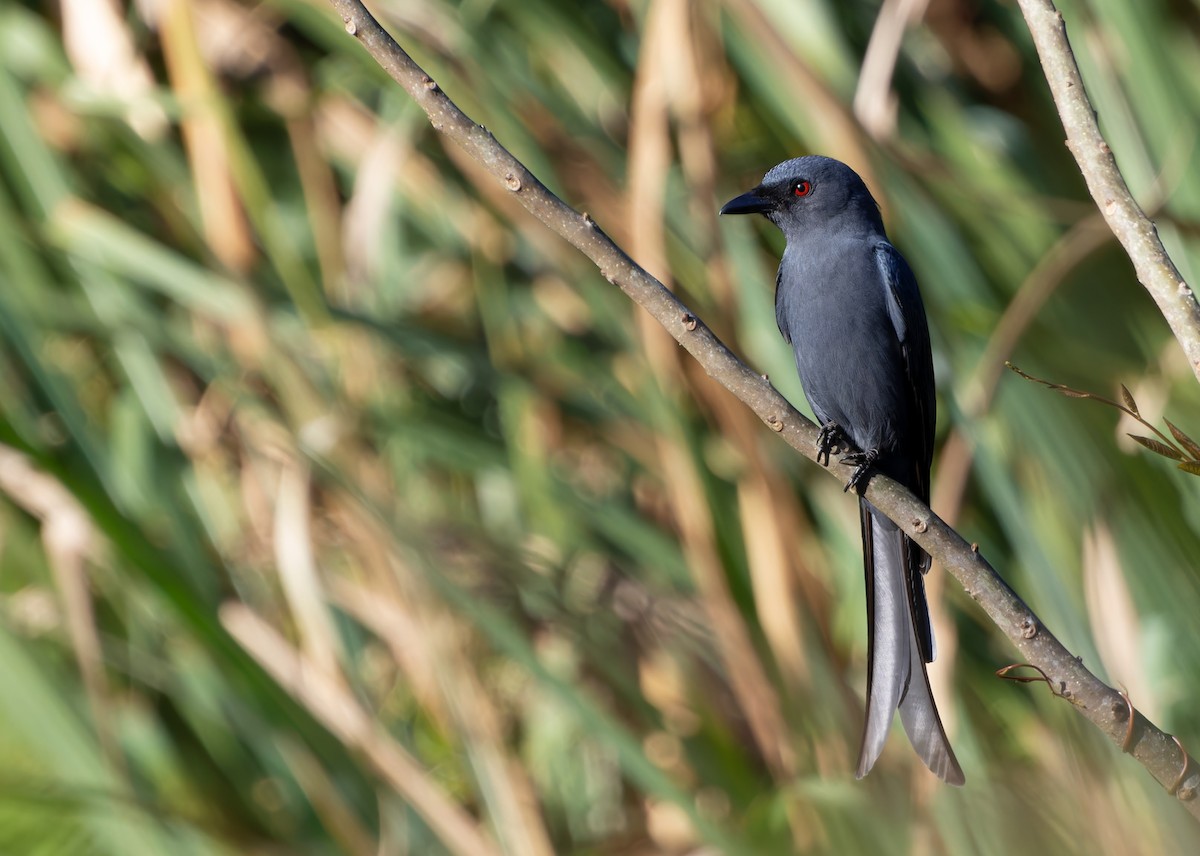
pixel 831 305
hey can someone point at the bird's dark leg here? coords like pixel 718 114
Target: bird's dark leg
pixel 831 439
pixel 862 463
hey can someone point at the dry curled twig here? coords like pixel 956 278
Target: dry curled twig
pixel 1183 767
pixel 1006 673
pixel 1183 450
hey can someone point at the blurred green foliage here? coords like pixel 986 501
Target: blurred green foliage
pixel 344 509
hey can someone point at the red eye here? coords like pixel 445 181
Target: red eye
pixel 802 188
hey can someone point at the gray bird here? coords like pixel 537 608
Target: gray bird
pixel 848 304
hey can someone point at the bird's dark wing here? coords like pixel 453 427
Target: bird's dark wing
pixel 907 314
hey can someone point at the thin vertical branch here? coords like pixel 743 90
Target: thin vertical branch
pixel 1124 216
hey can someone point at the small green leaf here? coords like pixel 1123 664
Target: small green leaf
pixel 1127 397
pixel 1159 448
pixel 1192 467
pixel 1193 448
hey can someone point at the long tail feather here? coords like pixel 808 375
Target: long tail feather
pixel 899 639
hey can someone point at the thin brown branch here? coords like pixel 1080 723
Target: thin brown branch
pixel 1136 232
pixel 1100 704
pixel 875 103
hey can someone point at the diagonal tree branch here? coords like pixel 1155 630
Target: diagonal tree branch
pixel 1135 231
pixel 1106 708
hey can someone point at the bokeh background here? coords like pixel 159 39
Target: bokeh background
pixel 345 509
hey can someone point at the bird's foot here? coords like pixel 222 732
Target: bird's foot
pixel 831 439
pixel 862 463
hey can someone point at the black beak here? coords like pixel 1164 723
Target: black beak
pixel 748 203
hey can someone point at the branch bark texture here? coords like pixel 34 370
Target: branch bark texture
pixel 1068 678
pixel 1136 232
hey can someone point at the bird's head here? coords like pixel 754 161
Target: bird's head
pixel 801 194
